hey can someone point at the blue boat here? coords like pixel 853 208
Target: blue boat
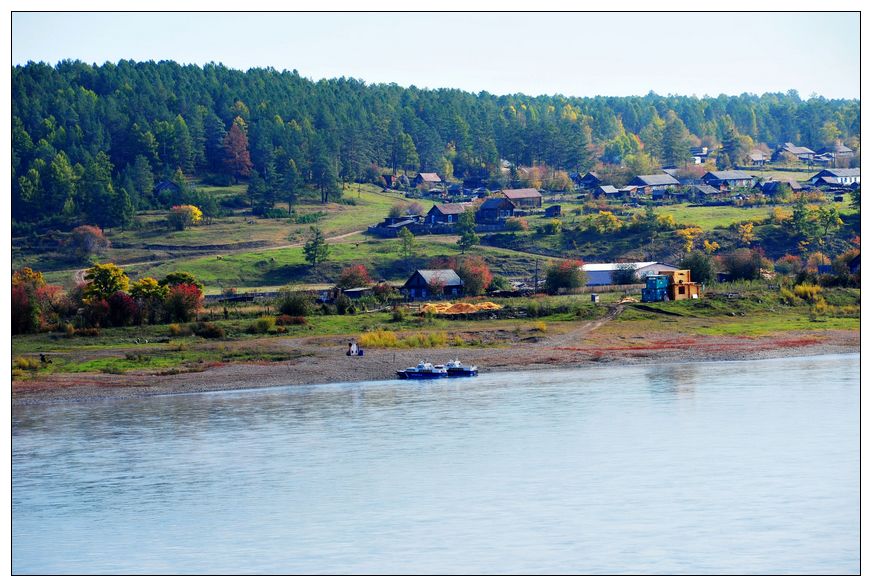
pixel 457 369
pixel 423 371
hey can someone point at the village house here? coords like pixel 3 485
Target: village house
pixel 703 191
pixel 729 179
pixel 844 177
pixel 835 154
pixel 494 211
pixel 647 183
pixel 429 179
pixel 605 190
pixel 589 181
pixel 758 158
pixel 801 153
pixel 773 187
pixel 524 198
pixel 699 155
pixel 432 283
pixel 445 213
pixel 603 273
pixel 168 187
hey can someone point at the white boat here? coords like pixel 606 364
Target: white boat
pixel 457 369
pixel 423 371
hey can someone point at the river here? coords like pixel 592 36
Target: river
pixel 749 467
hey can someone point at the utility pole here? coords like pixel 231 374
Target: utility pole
pixel 536 278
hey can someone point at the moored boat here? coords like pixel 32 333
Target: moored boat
pixel 457 369
pixel 423 371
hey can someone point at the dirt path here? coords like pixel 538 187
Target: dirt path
pixel 577 335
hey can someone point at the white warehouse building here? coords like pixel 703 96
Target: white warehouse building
pixel 601 273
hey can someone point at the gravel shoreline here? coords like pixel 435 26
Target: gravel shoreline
pixel 325 363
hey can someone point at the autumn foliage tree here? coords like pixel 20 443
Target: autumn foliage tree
pixel 566 274
pixel 104 279
pixel 353 276
pixel 181 217
pixel 87 240
pixel 476 275
pixel 237 159
pixel 182 302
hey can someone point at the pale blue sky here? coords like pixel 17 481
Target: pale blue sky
pixel 575 54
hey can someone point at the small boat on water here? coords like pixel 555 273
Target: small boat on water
pixel 457 369
pixel 423 371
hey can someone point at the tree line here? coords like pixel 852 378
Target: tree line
pixel 91 142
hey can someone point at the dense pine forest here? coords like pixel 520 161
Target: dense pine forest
pixel 91 142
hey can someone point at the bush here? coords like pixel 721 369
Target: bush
pixel 398 315
pixel 517 224
pixel 700 266
pixel 87 240
pixel 181 217
pixel 540 326
pixel 25 364
pixel 564 275
pixel 123 309
pixel 262 325
pixel 208 330
pixel 294 303
pixel 182 302
pixel 742 264
pixel 344 305
pixel 179 330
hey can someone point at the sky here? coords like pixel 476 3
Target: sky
pixel 573 54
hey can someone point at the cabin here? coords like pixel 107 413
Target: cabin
pixel 787 149
pixel 845 176
pixel 524 198
pixel 773 187
pixel 758 158
pixel 432 283
pixel 603 273
pixel 553 211
pixel 494 211
pixel 589 181
pixel 729 179
pixel 703 191
pixel 605 190
pixel 167 187
pixel 647 183
pixel 428 179
pixel 835 154
pixel 444 213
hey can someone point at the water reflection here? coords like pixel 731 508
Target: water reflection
pixel 677 379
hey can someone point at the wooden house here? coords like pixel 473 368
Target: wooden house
pixel 524 198
pixel 589 181
pixel 606 190
pixel 445 213
pixel 432 283
pixel 647 183
pixel 494 211
pixel 429 179
pixel 772 187
pixel 758 158
pixel 845 176
pixel 729 179
pixel 787 149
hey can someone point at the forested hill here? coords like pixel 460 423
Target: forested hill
pixel 90 141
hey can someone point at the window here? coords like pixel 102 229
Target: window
pixel 681 290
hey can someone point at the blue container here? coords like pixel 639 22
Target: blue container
pixel 656 288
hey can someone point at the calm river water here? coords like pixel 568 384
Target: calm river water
pixel 733 467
